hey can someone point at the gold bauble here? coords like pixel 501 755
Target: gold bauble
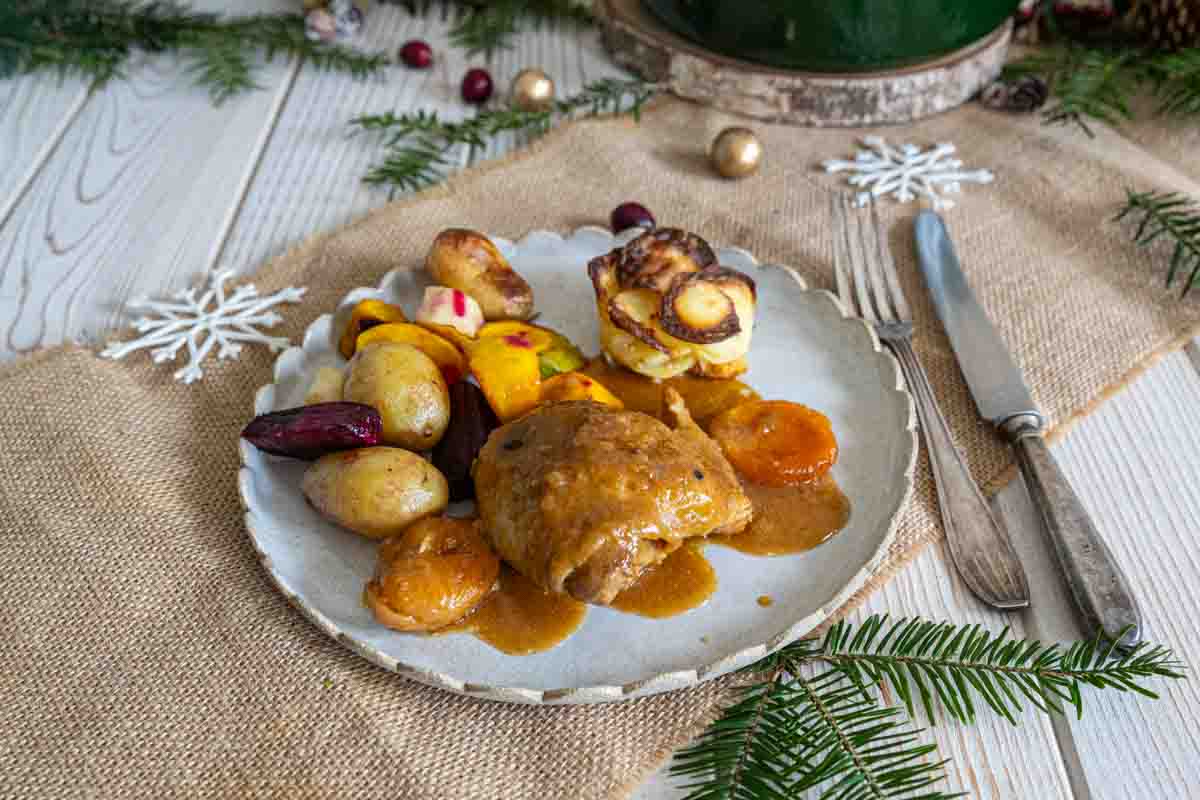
pixel 531 90
pixel 736 152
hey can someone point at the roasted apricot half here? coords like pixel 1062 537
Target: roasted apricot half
pixel 432 575
pixel 776 442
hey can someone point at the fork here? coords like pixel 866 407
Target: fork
pixel 869 288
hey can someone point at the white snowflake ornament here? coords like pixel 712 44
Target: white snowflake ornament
pixel 212 320
pixel 906 172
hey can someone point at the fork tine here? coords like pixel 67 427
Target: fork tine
pixel 889 270
pixel 860 257
pixel 874 243
pixel 841 253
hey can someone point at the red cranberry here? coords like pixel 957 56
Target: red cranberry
pixel 477 86
pixel 631 215
pixel 416 54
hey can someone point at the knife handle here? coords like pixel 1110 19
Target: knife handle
pixel 978 543
pixel 1099 587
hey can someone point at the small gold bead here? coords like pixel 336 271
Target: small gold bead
pixel 736 152
pixel 531 90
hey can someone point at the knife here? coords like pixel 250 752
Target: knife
pixel 1098 586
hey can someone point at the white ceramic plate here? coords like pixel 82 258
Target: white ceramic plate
pixel 805 349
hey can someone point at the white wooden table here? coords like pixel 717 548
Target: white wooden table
pixel 143 186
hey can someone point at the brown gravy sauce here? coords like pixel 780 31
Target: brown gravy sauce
pixel 790 519
pixel 520 618
pixel 705 397
pixel 683 581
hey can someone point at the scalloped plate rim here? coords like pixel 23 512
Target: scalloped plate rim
pixel 662 682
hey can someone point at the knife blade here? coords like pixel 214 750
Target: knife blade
pixel 1099 588
pixel 995 381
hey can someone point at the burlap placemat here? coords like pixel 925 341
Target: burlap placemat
pixel 143 653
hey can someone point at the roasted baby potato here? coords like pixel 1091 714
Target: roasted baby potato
pixel 407 388
pixel 374 491
pixel 432 575
pixel 326 386
pixel 468 261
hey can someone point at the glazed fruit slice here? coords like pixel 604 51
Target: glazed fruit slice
pixel 310 432
pixel 577 386
pixel 508 374
pixel 776 442
pixel 556 354
pixel 364 316
pixel 447 357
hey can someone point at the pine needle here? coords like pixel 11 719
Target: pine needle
pixel 95 38
pixel 487 27
pixel 1174 216
pixel 419 144
pixel 1098 83
pixel 789 732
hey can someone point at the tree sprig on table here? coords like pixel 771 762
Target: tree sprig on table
pixel 814 717
pixel 419 144
pixel 95 38
pixel 486 27
pixel 1098 82
pixel 1174 216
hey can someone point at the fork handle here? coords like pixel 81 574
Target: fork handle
pixel 978 542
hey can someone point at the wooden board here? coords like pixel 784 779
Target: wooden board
pixel 639 41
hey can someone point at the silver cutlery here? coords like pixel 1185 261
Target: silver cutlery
pixel 1100 590
pixel 869 288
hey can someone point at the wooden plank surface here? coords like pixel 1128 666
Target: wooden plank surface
pixel 35 112
pixel 1135 464
pixel 131 200
pixel 141 186
pixel 310 178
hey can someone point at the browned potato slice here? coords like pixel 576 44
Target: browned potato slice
pixel 468 261
pixel 654 259
pixel 724 370
pixel 696 309
pixel 374 491
pixel 633 311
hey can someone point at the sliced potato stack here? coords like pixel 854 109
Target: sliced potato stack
pixel 666 307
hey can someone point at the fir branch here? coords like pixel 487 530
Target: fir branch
pixel 95 38
pixel 1176 79
pixel 1098 82
pixel 491 26
pixel 956 666
pixel 789 732
pixel 1089 83
pixel 793 732
pixel 1172 215
pixel 419 143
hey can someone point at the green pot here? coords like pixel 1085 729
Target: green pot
pixel 833 35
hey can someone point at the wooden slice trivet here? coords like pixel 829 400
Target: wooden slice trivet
pixel 640 42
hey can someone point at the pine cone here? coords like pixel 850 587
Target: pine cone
pixel 1027 93
pixel 1166 24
